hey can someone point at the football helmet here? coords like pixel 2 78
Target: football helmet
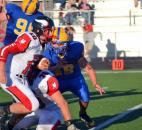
pixel 42 23
pixel 60 39
pixel 30 6
pixel 59 35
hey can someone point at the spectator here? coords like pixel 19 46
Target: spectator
pixel 84 6
pixel 61 16
pixel 92 4
pixel 70 16
pixel 88 37
pixel 136 3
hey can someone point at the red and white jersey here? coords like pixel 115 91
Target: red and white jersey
pixel 45 86
pixel 24 49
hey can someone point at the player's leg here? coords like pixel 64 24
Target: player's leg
pixel 80 89
pixel 51 121
pixel 26 101
pixel 27 121
pixel 14 119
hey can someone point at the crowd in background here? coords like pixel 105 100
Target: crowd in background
pixel 73 10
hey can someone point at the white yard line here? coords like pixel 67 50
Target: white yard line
pixel 110 121
pixel 115 72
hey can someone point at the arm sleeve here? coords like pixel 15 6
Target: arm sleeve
pixel 53 86
pixel 20 45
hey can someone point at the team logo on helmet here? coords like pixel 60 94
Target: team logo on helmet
pixel 42 23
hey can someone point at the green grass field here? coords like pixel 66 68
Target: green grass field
pixel 123 91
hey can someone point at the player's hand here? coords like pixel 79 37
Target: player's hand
pixel 43 64
pixel 99 89
pixel 3 78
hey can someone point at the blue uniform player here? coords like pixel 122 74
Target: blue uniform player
pixel 67 61
pixel 19 18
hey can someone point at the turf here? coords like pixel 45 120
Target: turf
pixel 123 91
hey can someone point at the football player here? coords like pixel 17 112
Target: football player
pixel 26 46
pixel 49 116
pixel 19 18
pixel 67 61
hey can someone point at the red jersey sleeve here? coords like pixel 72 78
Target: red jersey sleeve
pixel 20 45
pixel 53 86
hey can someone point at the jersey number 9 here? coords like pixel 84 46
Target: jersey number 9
pixel 22 26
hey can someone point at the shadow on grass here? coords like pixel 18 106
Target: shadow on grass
pixel 99 120
pixel 77 122
pixel 94 95
pixel 133 115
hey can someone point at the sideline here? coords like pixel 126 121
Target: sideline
pixel 110 121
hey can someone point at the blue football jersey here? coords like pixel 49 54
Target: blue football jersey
pixel 69 75
pixel 18 22
pixel 70 68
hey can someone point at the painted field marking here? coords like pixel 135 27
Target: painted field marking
pixel 113 72
pixel 110 121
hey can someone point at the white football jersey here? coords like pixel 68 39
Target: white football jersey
pixel 20 61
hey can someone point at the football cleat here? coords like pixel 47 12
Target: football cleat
pixel 87 120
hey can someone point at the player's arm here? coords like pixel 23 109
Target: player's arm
pixel 91 73
pixel 54 93
pixel 16 47
pixel 56 96
pixel 63 105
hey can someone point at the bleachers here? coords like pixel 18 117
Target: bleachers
pixel 112 19
pixel 118 21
